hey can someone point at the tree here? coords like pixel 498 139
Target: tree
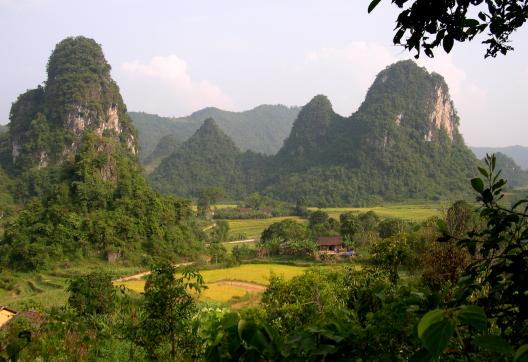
pixel 168 308
pixel 285 230
pixel 91 294
pixel 255 201
pixel 460 219
pixel 317 217
pixel 208 197
pixel 349 225
pixel 390 227
pixel 390 254
pixel 425 24
pixel 220 231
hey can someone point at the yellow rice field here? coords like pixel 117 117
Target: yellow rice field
pixel 255 276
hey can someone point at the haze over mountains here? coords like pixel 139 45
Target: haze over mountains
pixel 403 142
pixel 518 153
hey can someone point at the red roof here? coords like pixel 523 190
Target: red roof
pixel 329 240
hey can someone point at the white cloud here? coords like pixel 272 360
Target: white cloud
pixel 164 86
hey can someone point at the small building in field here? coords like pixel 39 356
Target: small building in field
pixel 5 315
pixel 245 209
pixel 331 244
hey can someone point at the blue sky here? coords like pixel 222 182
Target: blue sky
pixel 174 57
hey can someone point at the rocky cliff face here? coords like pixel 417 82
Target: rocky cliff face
pixel 443 115
pixel 402 142
pixel 49 124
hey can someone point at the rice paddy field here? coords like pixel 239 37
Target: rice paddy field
pixel 48 289
pixel 252 228
pixel 411 212
pixel 230 284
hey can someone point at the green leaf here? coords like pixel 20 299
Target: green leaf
pixel 372 5
pixel 253 335
pixel 435 331
pixel 522 354
pixel 493 343
pixel 471 23
pixel 447 43
pixel 483 171
pixel 442 226
pixel 473 316
pixel 422 355
pixel 478 184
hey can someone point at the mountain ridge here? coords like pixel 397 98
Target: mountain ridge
pixel 517 152
pixel 261 129
pixel 403 142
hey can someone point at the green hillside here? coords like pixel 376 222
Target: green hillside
pixel 261 129
pixel 208 158
pixel 71 152
pixel 402 143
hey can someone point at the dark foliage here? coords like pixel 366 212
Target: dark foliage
pixel 92 294
pixel 424 24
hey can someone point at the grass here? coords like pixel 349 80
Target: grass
pixel 411 212
pixel 252 228
pixel 48 288
pixel 229 246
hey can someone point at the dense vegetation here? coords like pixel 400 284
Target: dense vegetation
pixel 465 301
pixel 402 143
pixel 262 129
pixel 208 158
pixel 165 147
pixel 70 150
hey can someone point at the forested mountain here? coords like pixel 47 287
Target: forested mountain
pixel 518 153
pixel 71 149
pixel 165 147
pixel 261 129
pixel 402 143
pixel 208 158
pixel 3 128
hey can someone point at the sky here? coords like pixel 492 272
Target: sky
pixel 174 57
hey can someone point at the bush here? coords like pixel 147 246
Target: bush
pixel 92 294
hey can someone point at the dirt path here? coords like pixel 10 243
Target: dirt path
pixel 209 227
pixel 240 241
pixel 250 287
pixel 143 274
